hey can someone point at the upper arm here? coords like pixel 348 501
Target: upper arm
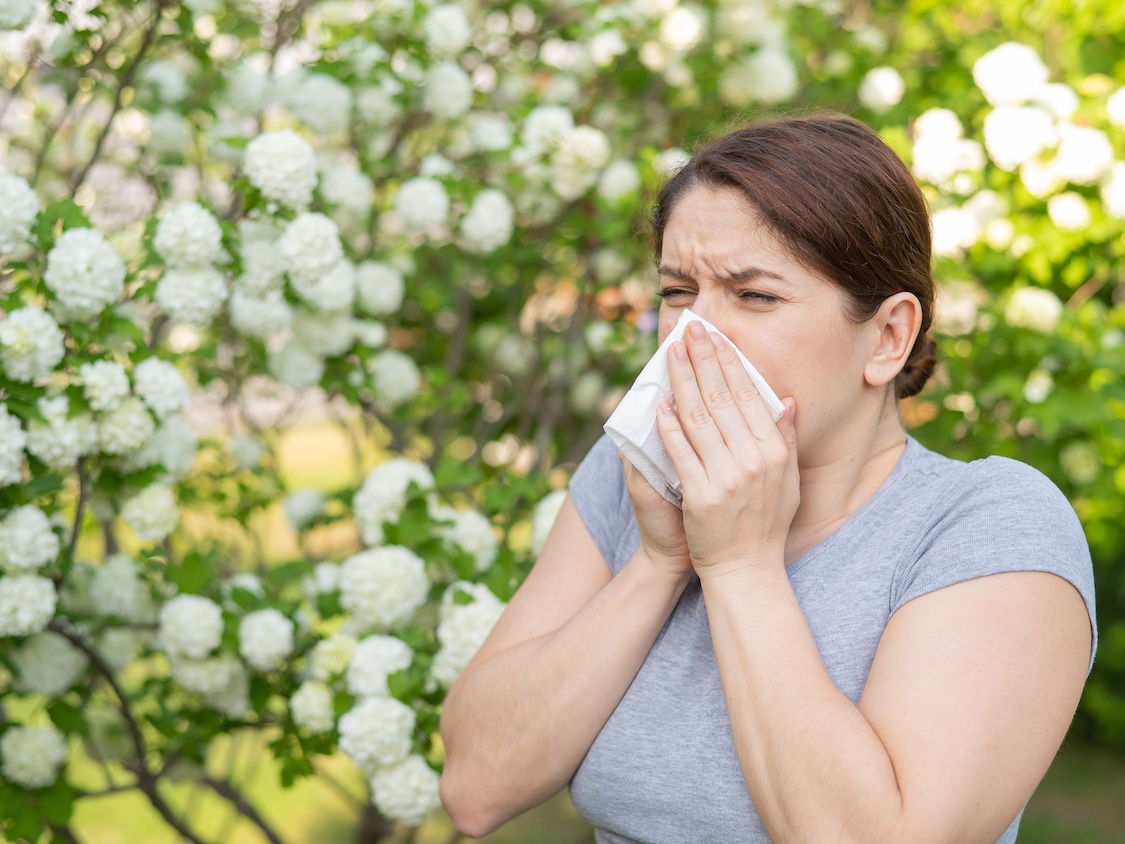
pixel 569 572
pixel 971 692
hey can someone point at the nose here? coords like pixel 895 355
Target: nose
pixel 713 308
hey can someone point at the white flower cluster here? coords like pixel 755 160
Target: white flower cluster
pixel 19 206
pixel 331 657
pixel 311 707
pixel 379 287
pixel 395 376
pixel 941 154
pixel 620 180
pixel 881 89
pixel 27 542
pixel 449 91
pixel 172 446
pixel 190 626
pixel 1010 74
pixel 48 664
pixel 116 590
pixel 382 587
pixel 373 660
pixel 577 161
pixel 161 386
pixel 382 497
pixel 32 755
pixel 314 257
pixel 27 604
pixel 471 532
pixel 192 295
pixel 766 76
pixel 321 102
pixel 84 274
pixel 347 187
pixel 125 428
pixel 282 166
pixel 222 681
pixel 16 14
pixel 422 203
pixel 31 344
pixel 104 384
pixel 1014 135
pixel 188 236
pixel 59 439
pixel 406 791
pixel 447 30
pixel 295 366
pixel 152 512
pixel 488 225
pixel 1034 308
pixel 12 442
pixel 463 629
pixel 265 638
pixel 377 732
pixel 302 506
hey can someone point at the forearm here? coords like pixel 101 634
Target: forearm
pixel 519 725
pixel 815 768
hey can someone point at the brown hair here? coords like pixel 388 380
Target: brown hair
pixel 840 200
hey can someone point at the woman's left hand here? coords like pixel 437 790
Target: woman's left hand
pixel 737 467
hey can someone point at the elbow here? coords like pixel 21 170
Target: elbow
pixel 465 806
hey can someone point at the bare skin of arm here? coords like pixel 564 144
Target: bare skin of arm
pixel 518 722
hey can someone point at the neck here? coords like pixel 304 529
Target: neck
pixel 841 479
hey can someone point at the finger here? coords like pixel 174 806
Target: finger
pixel 680 450
pixel 695 420
pixel 787 424
pixel 745 394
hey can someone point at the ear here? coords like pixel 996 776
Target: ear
pixel 895 327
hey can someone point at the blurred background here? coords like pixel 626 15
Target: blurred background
pixel 308 304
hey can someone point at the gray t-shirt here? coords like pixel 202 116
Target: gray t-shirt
pixel 664 767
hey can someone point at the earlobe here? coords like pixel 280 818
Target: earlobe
pixel 896 325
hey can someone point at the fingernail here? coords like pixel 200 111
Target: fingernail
pixel 716 340
pixel 697 331
pixel 679 351
pixel 666 409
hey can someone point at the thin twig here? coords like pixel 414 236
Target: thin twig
pixel 146 782
pixel 79 509
pixel 227 791
pixel 124 81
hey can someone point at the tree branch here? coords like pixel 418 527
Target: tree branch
pixel 146 782
pixel 231 794
pixel 126 80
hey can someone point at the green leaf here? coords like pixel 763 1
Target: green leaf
pixel 57 803
pixel 67 718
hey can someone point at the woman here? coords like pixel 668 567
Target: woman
pixel 843 636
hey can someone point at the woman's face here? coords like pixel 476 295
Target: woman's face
pixel 719 260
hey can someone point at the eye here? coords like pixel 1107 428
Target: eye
pixel 758 296
pixel 674 292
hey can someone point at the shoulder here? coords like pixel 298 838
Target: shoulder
pixel 991 516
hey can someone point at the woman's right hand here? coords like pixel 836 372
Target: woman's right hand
pixel 661 524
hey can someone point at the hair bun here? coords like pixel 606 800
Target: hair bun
pixel 919 367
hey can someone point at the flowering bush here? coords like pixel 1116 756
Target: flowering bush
pixel 221 220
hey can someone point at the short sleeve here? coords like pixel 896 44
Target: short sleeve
pixel 601 498
pixel 999 516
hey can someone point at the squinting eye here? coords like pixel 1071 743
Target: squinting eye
pixel 757 296
pixel 672 292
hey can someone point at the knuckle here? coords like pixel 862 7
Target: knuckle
pixel 698 415
pixel 720 397
pixel 746 393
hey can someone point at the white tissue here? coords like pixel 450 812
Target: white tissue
pixel 632 426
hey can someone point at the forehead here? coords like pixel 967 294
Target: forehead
pixel 718 228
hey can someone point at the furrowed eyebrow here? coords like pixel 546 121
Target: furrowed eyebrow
pixel 748 274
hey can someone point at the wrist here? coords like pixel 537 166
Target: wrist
pixel 675 573
pixel 761 568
